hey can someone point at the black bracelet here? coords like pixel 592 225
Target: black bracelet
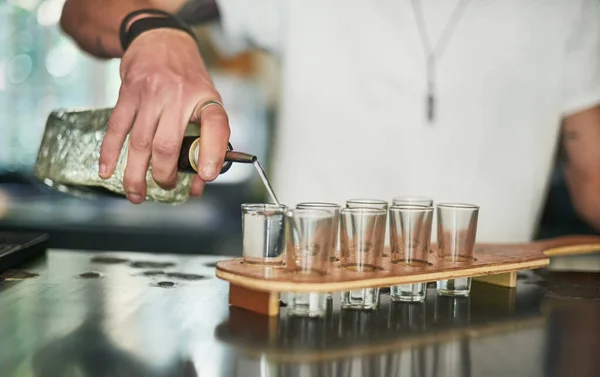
pixel 165 20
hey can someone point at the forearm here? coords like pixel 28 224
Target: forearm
pixel 94 25
pixel 581 137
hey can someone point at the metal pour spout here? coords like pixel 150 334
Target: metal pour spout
pixel 190 154
pixel 240 157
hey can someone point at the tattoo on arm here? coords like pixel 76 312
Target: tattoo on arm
pixel 196 12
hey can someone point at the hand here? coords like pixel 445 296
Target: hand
pixel 164 84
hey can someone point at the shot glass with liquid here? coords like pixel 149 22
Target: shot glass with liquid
pixel 263 233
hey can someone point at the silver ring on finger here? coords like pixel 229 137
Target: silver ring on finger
pixel 209 103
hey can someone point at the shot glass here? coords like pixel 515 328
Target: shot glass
pixel 367 203
pixel 412 200
pixel 375 204
pixel 456 233
pixel 361 231
pixel 411 289
pixel 329 207
pixel 308 233
pixel 335 210
pixel 263 234
pixel 410 238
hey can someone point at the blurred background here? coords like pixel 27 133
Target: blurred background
pixel 42 70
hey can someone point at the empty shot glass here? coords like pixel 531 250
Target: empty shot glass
pixel 367 203
pixel 360 236
pixel 456 233
pixel 263 233
pixel 376 204
pixel 335 210
pixel 410 238
pixel 332 208
pixel 412 200
pixel 308 233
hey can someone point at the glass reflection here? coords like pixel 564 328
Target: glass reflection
pixel 452 310
pixel 399 339
pixel 407 316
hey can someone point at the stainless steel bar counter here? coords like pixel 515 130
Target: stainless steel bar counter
pixel 75 313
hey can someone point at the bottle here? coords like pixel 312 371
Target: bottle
pixel 68 157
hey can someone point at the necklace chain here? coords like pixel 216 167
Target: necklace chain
pixel 433 54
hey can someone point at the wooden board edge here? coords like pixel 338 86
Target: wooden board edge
pixel 266 303
pixel 572 250
pixel 506 279
pixel 286 286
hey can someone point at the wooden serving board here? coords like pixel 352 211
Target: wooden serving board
pixel 257 287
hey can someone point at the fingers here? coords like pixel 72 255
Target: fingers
pixel 167 145
pixel 155 138
pixel 119 124
pixel 197 186
pixel 214 136
pixel 140 150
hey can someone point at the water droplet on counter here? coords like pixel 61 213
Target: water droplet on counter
pixel 108 260
pixel 182 276
pixel 90 275
pixel 165 284
pixel 149 264
pixel 153 273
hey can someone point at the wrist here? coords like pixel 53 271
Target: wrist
pixel 129 21
pixel 140 21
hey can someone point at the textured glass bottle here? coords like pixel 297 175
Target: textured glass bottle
pixel 68 158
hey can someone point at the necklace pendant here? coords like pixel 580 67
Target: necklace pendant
pixel 430 107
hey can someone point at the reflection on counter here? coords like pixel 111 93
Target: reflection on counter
pixel 430 338
pixel 434 338
pixel 121 321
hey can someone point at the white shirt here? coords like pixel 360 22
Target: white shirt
pixel 352 117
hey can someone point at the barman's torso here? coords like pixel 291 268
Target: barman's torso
pixel 352 118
